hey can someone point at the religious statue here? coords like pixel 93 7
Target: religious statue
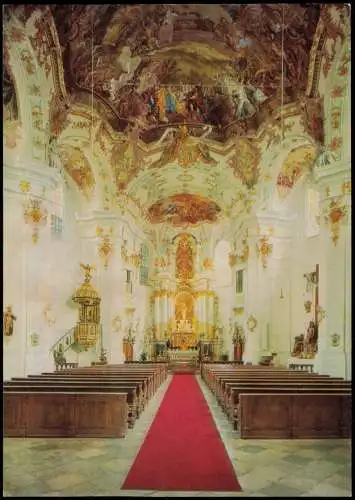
pixel 87 271
pixel 239 342
pixel 298 346
pixel 8 320
pixel 58 355
pixel 310 345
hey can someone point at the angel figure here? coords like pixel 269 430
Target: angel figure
pixel 87 271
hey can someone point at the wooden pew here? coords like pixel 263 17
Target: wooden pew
pixel 147 389
pixel 223 388
pixel 131 390
pixel 65 414
pixel 295 415
pixel 137 385
pixel 158 375
pixel 233 404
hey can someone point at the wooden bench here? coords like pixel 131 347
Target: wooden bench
pixel 65 414
pixel 295 415
pixel 233 404
pixel 146 381
pixel 146 391
pixel 158 375
pixel 131 390
pixel 225 386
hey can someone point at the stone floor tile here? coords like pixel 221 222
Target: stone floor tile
pixel 90 452
pixel 326 490
pixel 253 482
pixel 280 490
pixel 64 481
pixel 298 482
pixel 297 459
pixel 339 481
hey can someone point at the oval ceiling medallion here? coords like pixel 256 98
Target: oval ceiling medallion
pixel 183 209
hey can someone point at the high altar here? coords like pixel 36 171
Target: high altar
pixel 184 313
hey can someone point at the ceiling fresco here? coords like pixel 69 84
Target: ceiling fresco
pixel 186 63
pixel 180 104
pixel 184 209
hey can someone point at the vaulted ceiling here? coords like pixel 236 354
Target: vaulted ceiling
pixel 180 100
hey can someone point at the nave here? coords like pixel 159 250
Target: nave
pixel 96 467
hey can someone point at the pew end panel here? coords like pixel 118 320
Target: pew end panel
pixel 65 414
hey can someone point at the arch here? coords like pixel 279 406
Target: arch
pixel 276 161
pixel 31 44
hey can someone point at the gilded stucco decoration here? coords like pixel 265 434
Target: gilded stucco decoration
pixel 127 158
pixel 106 246
pixel 35 215
pixel 298 162
pixel 183 150
pixel 240 252
pixel 134 258
pixel 333 216
pixel 245 162
pixel 185 257
pixel 77 166
pixel 264 249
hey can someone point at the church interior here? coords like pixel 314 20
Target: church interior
pixel 177 250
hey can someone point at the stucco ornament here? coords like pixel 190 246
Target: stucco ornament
pixel 334 215
pixel 251 322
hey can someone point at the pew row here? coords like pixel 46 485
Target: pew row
pixel 65 414
pixel 137 385
pixel 295 416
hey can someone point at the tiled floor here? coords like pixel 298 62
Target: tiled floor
pixel 98 467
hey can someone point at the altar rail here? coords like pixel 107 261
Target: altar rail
pixel 301 367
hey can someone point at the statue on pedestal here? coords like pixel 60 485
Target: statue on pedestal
pixel 8 321
pixel 310 345
pixel 306 347
pixel 298 346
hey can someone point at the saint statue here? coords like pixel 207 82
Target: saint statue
pixel 8 320
pixel 298 346
pixel 87 271
pixel 310 345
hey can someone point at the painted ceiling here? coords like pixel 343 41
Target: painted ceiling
pixel 174 105
pixel 184 209
pixel 164 64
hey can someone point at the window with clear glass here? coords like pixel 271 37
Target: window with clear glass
pixel 239 281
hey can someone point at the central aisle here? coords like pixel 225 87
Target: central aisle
pixel 183 450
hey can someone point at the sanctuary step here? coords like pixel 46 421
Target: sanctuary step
pixel 183 361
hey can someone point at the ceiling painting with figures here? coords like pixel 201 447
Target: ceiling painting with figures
pixel 176 113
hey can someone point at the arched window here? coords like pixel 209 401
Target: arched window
pixel 312 215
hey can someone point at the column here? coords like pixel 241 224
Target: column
pixel 334 331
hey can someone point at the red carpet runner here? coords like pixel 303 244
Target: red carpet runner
pixel 183 450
